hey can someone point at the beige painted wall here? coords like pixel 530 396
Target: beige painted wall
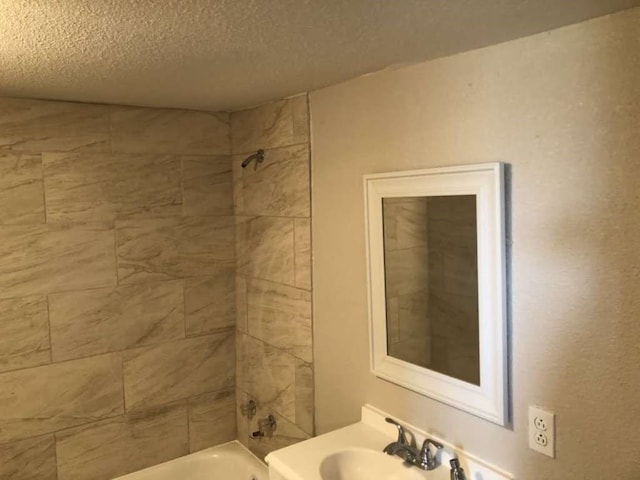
pixel 563 108
pixel 117 262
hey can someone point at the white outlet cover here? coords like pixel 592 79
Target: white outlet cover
pixel 542 431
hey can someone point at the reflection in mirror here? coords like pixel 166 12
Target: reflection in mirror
pixel 431 283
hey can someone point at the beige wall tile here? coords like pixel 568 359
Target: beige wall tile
pixel 300 112
pixel 212 420
pixel 210 302
pixel 405 222
pixel 265 248
pixel 174 248
pixel 302 260
pixel 279 186
pixel 30 459
pixel 406 270
pixel 114 447
pixel 83 391
pixel 304 396
pixel 156 130
pixel 103 186
pixel 416 350
pixel 38 126
pixel 91 322
pixel 242 422
pixel 281 316
pixel 172 371
pixel 268 375
pixel 207 184
pixel 267 126
pixel 413 315
pixel 24 333
pixel 51 258
pixel 241 303
pixel 21 194
pixel 172 256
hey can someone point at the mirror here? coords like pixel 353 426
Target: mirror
pixel 431 283
pixel 436 284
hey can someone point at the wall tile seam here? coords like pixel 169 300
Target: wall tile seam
pixel 253 216
pixel 128 349
pixel 55 456
pixel 140 283
pixel 181 400
pixel 49 331
pixel 110 130
pixel 290 285
pixel 60 362
pixel 150 410
pixel 230 328
pixel 269 149
pixel 226 390
pixel 111 223
pixel 115 254
pixel 184 306
pixel 188 424
pixel 146 218
pixel 120 351
pixel 79 150
pixel 50 362
pixel 176 340
pixel 52 433
pixel 280 349
pixel 295 251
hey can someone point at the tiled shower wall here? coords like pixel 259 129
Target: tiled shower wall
pixel 406 258
pixel 272 205
pixel 117 264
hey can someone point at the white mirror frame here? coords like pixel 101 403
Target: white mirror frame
pixel 486 181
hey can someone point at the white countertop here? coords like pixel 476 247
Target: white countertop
pixel 302 461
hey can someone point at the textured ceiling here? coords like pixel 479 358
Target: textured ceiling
pixel 229 54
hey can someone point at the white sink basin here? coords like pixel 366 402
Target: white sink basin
pixel 365 464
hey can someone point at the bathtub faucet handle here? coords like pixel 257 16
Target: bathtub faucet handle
pixel 266 427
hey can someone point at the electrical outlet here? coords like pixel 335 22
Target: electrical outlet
pixel 542 431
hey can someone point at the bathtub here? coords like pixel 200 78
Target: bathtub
pixel 229 461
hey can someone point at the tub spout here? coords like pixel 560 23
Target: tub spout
pixel 266 427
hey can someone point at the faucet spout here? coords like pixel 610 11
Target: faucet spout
pixel 422 458
pixel 393 448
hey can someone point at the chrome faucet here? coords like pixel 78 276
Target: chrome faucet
pixel 423 458
pixel 402 436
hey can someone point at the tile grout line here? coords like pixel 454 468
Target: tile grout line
pixel 122 378
pixel 188 418
pixel 184 280
pixel 295 254
pixel 55 454
pixel 267 149
pixel 44 190
pixel 49 330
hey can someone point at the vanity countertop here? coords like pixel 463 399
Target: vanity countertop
pixel 302 461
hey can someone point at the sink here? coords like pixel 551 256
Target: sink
pixel 355 453
pixel 365 464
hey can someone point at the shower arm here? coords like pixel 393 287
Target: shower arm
pixel 258 157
